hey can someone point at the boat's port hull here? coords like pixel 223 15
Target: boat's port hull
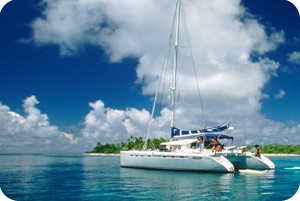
pixel 249 161
pixel 175 161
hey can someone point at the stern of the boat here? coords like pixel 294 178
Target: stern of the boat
pixel 249 161
pixel 225 163
pixel 268 162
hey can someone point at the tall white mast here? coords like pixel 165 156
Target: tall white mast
pixel 173 89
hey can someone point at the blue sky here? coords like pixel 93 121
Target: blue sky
pixel 63 84
pixel 80 69
pixel 281 15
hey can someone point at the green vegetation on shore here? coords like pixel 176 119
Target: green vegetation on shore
pixel 138 143
pixel 278 149
pixel 131 143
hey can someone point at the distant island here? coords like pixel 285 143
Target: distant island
pixel 138 143
pixel 131 143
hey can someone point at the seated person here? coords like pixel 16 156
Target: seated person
pixel 257 151
pixel 215 143
pixel 219 148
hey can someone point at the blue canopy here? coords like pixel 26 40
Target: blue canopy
pixel 211 136
pixel 175 131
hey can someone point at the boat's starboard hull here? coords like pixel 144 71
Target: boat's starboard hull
pixel 174 161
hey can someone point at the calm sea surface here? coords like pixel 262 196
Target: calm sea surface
pixel 71 177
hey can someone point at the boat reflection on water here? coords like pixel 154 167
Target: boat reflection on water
pixel 205 186
pixel 177 185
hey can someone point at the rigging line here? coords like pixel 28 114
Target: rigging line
pixel 167 70
pixel 183 72
pixel 181 60
pixel 154 102
pixel 159 83
pixel 193 64
pixel 163 88
pixel 226 103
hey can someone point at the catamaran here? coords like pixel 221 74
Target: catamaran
pixel 192 150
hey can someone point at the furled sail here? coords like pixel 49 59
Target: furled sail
pixel 175 131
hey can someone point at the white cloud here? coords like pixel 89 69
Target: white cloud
pixel 294 57
pixel 70 137
pixel 73 24
pixel 34 134
pixel 223 37
pixel 109 125
pixel 31 133
pixel 280 94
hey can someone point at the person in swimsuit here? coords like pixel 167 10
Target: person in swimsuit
pixel 215 143
pixel 257 151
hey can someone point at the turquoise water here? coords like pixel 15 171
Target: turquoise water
pixel 67 177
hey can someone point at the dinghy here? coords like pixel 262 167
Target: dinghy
pixel 293 168
pixel 254 172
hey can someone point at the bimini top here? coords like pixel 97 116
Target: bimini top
pixel 211 136
pixel 189 141
pixel 177 132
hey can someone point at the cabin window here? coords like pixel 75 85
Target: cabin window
pixel 163 148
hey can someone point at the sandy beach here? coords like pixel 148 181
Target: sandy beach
pixel 100 154
pixel 281 154
pixel 103 154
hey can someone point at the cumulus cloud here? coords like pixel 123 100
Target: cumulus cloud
pixel 31 133
pixel 110 125
pixel 294 57
pixel 111 24
pixel 280 94
pixel 70 137
pixel 34 134
pixel 223 38
pixel 229 47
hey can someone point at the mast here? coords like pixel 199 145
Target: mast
pixel 173 88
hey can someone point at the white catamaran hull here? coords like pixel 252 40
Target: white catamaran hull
pixel 175 161
pixel 248 161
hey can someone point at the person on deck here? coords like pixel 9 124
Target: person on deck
pixel 257 151
pixel 201 143
pixel 215 143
